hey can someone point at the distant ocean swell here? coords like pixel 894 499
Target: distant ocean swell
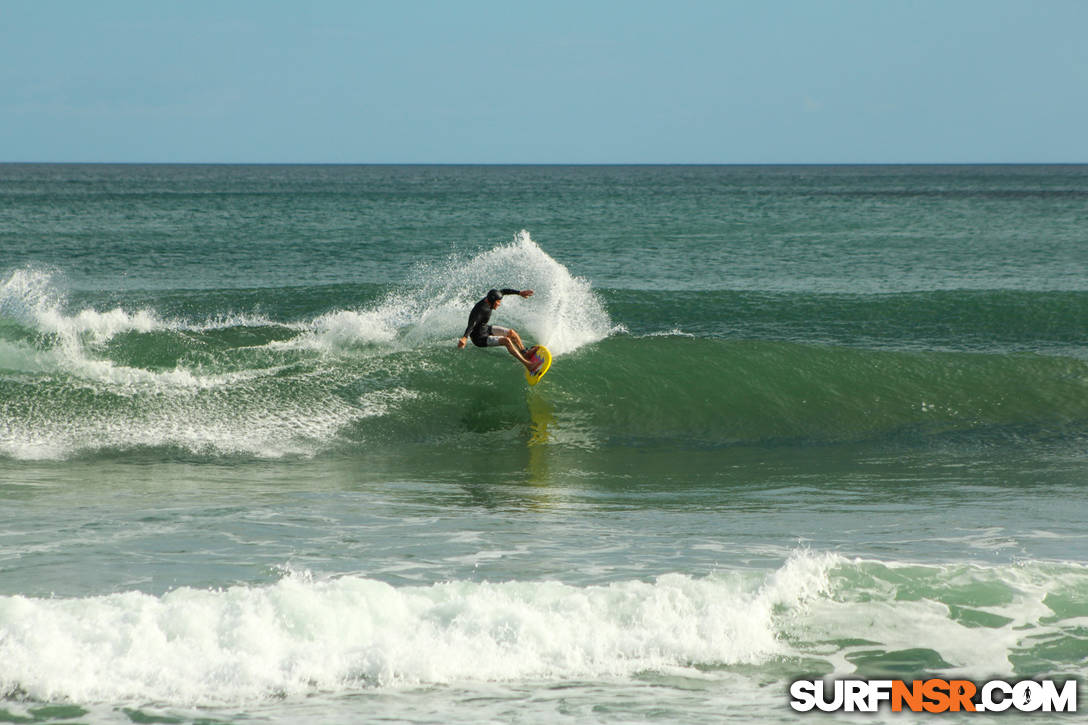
pixel 817 614
pixel 298 372
pixel 983 320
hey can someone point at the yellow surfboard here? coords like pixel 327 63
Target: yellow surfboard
pixel 545 357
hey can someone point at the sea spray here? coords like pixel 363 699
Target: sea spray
pixel 564 313
pixel 431 310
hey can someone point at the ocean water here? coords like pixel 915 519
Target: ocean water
pixel 801 422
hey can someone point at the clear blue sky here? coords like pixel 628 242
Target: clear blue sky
pixel 672 81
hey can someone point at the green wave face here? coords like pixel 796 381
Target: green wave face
pixel 278 389
pixel 722 391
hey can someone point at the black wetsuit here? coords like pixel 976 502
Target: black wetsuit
pixel 478 329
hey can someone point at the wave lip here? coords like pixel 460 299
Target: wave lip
pixel 30 297
pixel 72 343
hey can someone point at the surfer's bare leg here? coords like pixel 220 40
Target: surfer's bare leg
pixel 513 334
pixel 515 350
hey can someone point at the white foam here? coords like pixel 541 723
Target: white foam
pixel 899 606
pixel 674 332
pixel 380 402
pixel 30 297
pixel 305 634
pixel 81 400
pixel 343 329
pixel 252 418
pixel 21 357
pixel 300 635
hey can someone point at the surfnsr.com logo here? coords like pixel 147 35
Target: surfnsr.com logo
pixel 933 695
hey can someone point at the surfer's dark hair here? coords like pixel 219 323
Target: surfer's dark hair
pixel 493 295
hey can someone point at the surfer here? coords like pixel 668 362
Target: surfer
pixel 483 334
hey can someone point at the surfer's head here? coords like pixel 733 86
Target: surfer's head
pixel 493 297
